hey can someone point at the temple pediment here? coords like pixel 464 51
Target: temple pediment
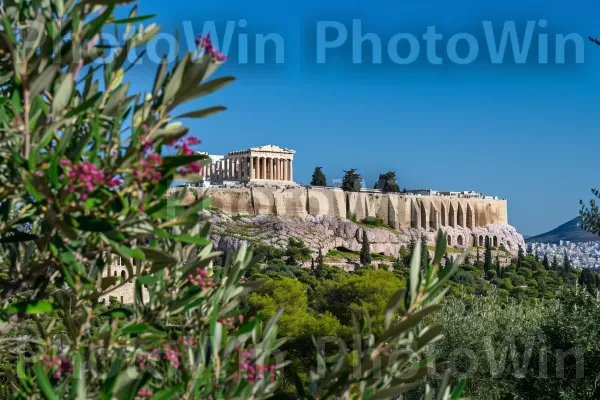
pixel 272 148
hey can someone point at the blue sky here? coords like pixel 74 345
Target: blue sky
pixel 527 132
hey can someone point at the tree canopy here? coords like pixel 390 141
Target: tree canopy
pixel 351 181
pixel 388 183
pixel 318 178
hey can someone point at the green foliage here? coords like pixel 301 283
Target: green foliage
pixel 297 251
pixel 318 177
pixel 375 221
pixel 388 183
pixel 590 215
pixel 590 280
pixel 351 181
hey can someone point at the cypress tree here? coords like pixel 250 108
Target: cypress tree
pixel 498 268
pixel 318 178
pixel 424 251
pixel 351 181
pixel 478 259
pixel 545 262
pixel 487 261
pixel 320 263
pixel 566 266
pixel 520 256
pixel 411 249
pixel 365 251
pixel 554 263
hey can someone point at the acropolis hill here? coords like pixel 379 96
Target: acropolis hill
pixel 257 200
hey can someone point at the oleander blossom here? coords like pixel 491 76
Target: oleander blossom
pixel 144 393
pixel 173 355
pixel 184 146
pixel 61 366
pixel 202 279
pixel 86 177
pixel 142 359
pixel 230 321
pixel 146 171
pixel 254 372
pixel 210 49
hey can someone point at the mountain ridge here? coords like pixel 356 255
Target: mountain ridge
pixel 568 231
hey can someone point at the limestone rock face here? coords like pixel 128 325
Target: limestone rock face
pixel 326 232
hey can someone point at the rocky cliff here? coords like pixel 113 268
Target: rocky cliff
pixel 326 232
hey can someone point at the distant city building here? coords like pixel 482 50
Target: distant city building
pixel 422 192
pixel 581 255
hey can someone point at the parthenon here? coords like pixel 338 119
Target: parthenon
pixel 263 163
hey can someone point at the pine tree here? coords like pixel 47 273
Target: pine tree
pixel 318 178
pixel 487 260
pixel 388 183
pixel 545 262
pixel 365 251
pixel 588 279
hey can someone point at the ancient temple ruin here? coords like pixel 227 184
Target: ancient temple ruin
pixel 263 164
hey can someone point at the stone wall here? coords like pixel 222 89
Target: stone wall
pixel 397 210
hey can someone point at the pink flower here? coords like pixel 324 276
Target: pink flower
pixel 195 167
pixel 86 177
pixel 146 170
pixel 206 43
pixel 144 393
pixel 113 182
pixel 202 279
pixel 191 141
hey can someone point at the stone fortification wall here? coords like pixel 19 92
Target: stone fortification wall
pixel 429 213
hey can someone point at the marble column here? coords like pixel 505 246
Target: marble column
pixel 273 171
pixel 278 169
pixel 263 168
pixel 252 168
pixel 291 170
pixel 280 172
pixel 285 170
